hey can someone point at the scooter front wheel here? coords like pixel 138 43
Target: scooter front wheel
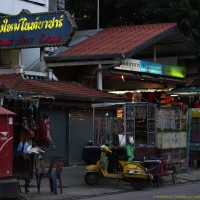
pixel 91 178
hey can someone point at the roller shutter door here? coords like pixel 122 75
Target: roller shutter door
pixel 80 132
pixel 58 122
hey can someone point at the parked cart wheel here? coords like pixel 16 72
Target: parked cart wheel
pixel 173 168
pixel 91 178
pixel 138 184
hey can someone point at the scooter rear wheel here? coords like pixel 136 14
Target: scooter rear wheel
pixel 91 178
pixel 138 184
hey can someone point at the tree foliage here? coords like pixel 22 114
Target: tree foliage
pixel 186 13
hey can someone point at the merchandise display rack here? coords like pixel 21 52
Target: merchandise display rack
pixel 137 119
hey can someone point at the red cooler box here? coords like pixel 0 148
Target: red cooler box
pixel 6 142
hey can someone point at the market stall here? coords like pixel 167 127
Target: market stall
pixel 114 123
pixel 193 145
pixel 171 137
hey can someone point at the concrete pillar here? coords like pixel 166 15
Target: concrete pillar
pixel 154 53
pixel 43 66
pixel 99 78
pixel 20 57
pixel 50 71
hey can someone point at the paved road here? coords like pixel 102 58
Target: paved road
pixel 185 191
pixel 74 186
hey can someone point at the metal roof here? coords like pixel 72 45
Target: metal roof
pixel 125 41
pixel 110 46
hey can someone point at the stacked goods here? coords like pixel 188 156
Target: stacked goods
pixel 159 167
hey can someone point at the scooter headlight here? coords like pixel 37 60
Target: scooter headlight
pixel 105 148
pixel 102 147
pixel 133 171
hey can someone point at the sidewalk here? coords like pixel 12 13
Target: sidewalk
pixel 74 185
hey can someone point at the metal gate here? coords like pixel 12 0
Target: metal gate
pixel 80 132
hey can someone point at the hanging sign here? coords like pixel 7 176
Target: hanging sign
pixel 152 68
pixel 33 30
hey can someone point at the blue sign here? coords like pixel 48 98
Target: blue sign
pixel 33 30
pixel 151 67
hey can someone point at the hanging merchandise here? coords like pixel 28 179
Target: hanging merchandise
pixel 197 104
pixel 163 99
pixel 120 113
pixel 151 97
pixel 168 99
pixel 30 109
pixel 128 96
pixel 42 139
pixel 25 130
pixel 136 97
pixel 156 98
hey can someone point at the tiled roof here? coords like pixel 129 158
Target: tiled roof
pixel 4 111
pixel 56 88
pixel 118 40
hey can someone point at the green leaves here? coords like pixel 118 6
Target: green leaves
pixel 129 12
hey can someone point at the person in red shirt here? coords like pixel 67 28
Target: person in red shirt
pixel 48 128
pixel 41 164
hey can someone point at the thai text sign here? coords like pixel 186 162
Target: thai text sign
pixel 152 68
pixel 32 30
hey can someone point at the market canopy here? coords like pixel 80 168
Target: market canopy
pixel 185 91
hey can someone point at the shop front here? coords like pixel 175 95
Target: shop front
pixel 150 66
pixel 158 132
pixel 115 123
pixel 171 136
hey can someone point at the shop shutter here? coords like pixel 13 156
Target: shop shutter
pixel 58 122
pixel 80 132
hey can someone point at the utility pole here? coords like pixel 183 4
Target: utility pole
pixel 97 14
